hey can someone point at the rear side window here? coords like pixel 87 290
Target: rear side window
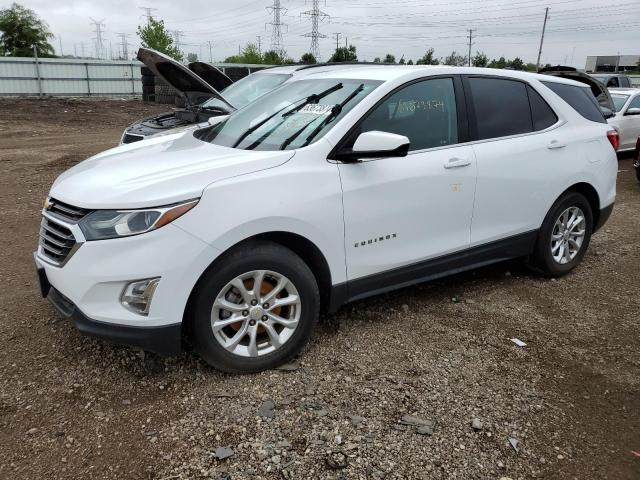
pixel 501 107
pixel 541 113
pixel 580 98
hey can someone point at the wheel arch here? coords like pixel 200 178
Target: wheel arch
pixel 307 250
pixel 591 194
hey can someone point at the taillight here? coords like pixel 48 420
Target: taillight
pixel 614 138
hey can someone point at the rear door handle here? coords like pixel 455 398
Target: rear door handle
pixel 457 162
pixel 554 144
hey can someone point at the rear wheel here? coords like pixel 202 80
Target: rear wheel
pixel 255 309
pixel 564 237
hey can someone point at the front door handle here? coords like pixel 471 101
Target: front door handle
pixel 555 144
pixel 457 162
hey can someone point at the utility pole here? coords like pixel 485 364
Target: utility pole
pixel 210 44
pixel 60 41
pixel 617 62
pixel 544 26
pixel 148 12
pixel 124 45
pixel 470 43
pixel 316 15
pixel 337 34
pixel 259 38
pixel 99 26
pixel 276 26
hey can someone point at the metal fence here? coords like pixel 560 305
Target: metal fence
pixel 82 77
pixel 69 77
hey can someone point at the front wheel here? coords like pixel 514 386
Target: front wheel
pixel 255 308
pixel 564 237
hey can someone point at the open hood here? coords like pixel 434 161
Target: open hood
pixel 188 84
pixel 210 74
pixel 598 88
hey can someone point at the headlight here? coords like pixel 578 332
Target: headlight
pixel 103 224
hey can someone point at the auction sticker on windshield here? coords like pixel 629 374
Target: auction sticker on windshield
pixel 317 109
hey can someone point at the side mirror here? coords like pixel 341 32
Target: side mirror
pixel 633 111
pixel 376 144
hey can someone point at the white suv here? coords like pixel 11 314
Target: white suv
pixel 329 189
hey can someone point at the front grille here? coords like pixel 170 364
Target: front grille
pixel 56 241
pixel 66 211
pixel 128 138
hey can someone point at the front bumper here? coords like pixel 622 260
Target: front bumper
pixel 165 340
pixel 87 288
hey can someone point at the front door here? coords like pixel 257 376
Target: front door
pixel 401 211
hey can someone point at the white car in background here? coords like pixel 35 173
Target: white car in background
pixel 341 185
pixel 627 116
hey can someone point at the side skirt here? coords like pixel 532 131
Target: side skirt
pixel 513 247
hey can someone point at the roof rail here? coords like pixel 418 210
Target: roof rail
pixel 330 64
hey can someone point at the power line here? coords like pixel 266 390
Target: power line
pixel 276 26
pixel 316 15
pixel 176 34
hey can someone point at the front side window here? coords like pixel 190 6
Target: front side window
pixel 635 103
pixel 580 98
pixel 619 101
pixel 501 107
pixel 292 116
pixel 424 111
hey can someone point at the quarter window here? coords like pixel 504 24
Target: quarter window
pixel 580 98
pixel 541 113
pixel 501 107
pixel 425 112
pixel 635 103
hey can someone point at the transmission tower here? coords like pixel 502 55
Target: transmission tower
pixel 124 45
pixel 316 15
pixel 99 26
pixel 176 37
pixel 148 12
pixel 276 26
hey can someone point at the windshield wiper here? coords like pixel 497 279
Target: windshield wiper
pixel 310 99
pixel 335 111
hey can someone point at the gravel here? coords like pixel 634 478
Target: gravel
pixel 72 407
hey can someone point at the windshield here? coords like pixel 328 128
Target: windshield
pixel 619 101
pixel 293 116
pixel 248 89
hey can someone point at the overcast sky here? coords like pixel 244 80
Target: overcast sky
pixel 575 28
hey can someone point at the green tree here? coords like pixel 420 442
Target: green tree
pixel 479 60
pixel 500 63
pixel 272 57
pixel 154 35
pixel 308 59
pixel 344 54
pixel 249 54
pixel 402 61
pixel 455 60
pixel 388 58
pixel 377 60
pixel 428 59
pixel 192 57
pixel 530 67
pixel 22 29
pixel 410 62
pixel 516 63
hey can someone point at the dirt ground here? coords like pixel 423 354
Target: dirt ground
pixel 72 407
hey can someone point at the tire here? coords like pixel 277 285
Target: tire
pixel 543 259
pixel 638 173
pixel 148 80
pixel 215 286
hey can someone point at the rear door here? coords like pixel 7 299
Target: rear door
pixel 517 146
pixel 401 211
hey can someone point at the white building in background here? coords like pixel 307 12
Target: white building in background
pixel 612 63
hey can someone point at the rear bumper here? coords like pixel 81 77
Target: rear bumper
pixel 605 213
pixel 165 340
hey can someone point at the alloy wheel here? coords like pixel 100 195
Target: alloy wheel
pixel 255 313
pixel 568 235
